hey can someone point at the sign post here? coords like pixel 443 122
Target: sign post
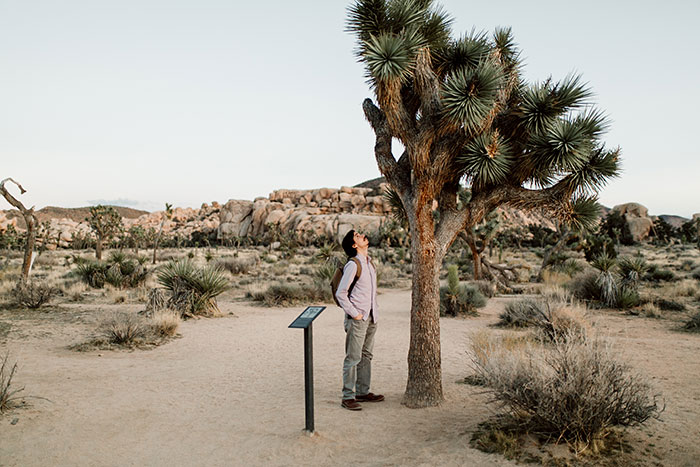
pixel 305 321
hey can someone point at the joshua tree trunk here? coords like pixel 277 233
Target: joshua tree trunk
pixel 547 258
pixel 424 386
pixel 98 246
pixel 157 240
pixel 476 254
pixel 31 221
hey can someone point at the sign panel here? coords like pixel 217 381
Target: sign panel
pixel 307 316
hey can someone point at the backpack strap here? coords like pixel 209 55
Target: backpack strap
pixel 357 273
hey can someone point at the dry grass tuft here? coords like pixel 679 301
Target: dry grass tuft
pixel 8 394
pixel 165 322
pixel 685 288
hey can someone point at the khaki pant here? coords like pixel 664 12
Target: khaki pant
pixel 357 366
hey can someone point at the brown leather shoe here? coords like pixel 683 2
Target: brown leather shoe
pixel 370 398
pixel 350 404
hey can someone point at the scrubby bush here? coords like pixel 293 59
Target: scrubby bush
pixel 33 294
pixel 696 273
pixel 456 298
pixel 487 288
pixel 8 394
pixel 574 389
pixel 552 321
pixel 667 304
pixel 569 266
pixel 658 274
pixel 585 287
pixel 193 290
pixel 236 265
pixel 627 298
pixel 119 271
pixel 290 295
pixel 124 328
pixel 693 324
pixel 520 313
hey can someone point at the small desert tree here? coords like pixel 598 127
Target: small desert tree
pixel 167 214
pixel 464 114
pixel 105 221
pixel 31 221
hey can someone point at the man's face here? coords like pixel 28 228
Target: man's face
pixel 360 239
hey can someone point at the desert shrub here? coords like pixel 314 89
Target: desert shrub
pixel 627 297
pixel 487 288
pixel 118 271
pixel 521 313
pixel 596 245
pixel 658 274
pixel 667 304
pixel 193 290
pixel 33 294
pixel 693 324
pixel 164 322
pixel 584 286
pixel 289 295
pixel 552 321
pixel 236 265
pixel 456 298
pixel 569 266
pixel 687 265
pixel 124 328
pixel 696 273
pixel 8 394
pixel 574 389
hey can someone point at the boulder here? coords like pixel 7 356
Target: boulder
pixel 638 220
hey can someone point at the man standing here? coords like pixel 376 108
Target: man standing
pixel 357 297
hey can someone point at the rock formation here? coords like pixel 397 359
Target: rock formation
pixel 638 220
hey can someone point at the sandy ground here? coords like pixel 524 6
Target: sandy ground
pixel 230 391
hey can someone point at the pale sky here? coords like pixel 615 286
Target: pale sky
pixel 142 102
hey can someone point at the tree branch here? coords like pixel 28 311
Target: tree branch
pixel 395 173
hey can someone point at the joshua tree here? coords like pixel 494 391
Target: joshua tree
pixel 166 215
pixel 31 221
pixel 106 222
pixel 464 113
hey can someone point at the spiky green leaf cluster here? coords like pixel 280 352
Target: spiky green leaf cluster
pixel 486 160
pixel 502 129
pixel 469 94
pixel 585 212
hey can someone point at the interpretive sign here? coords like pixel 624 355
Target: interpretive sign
pixel 304 321
pixel 307 316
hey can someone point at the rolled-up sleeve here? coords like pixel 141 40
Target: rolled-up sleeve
pixel 341 294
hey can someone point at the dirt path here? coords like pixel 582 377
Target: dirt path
pixel 231 392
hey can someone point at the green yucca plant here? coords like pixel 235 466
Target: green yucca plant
pixel 606 281
pixel 466 116
pixel 193 290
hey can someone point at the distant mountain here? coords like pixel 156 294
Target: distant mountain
pixel 675 221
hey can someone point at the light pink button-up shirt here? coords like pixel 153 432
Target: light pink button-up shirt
pixel 363 297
